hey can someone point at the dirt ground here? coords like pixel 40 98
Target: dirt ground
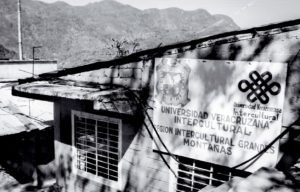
pixel 10 184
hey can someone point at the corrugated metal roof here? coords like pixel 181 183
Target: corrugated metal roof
pixel 13 122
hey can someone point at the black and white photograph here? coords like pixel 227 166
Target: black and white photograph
pixel 149 96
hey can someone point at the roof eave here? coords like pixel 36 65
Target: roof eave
pixel 19 93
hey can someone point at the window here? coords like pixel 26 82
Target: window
pixel 97 142
pixel 193 175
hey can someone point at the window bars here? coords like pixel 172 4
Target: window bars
pixel 194 175
pixel 96 139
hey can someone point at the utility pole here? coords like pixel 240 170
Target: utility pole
pixel 20 32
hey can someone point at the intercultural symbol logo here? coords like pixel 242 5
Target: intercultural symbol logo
pixel 259 87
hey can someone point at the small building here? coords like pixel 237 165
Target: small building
pixel 11 71
pixel 15 69
pixel 175 118
pixel 25 123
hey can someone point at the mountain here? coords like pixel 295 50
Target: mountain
pixel 6 54
pixel 78 35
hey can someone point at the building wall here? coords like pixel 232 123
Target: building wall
pixel 144 170
pixel 23 69
pixel 276 45
pixel 13 70
pixel 42 110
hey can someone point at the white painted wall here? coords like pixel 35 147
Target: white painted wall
pixel 23 69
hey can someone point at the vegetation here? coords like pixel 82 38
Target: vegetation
pixel 85 34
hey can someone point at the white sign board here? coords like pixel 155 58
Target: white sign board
pixel 222 112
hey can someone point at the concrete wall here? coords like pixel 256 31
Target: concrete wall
pixel 23 69
pixel 13 70
pixel 144 168
pixel 36 108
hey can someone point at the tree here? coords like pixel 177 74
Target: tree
pixel 122 47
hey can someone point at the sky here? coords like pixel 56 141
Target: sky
pixel 246 13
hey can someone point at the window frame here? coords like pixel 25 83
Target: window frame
pixel 175 167
pixel 90 176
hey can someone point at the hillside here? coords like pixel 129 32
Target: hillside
pixel 78 35
pixel 6 54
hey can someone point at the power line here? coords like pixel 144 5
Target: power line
pixel 268 146
pixel 139 102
